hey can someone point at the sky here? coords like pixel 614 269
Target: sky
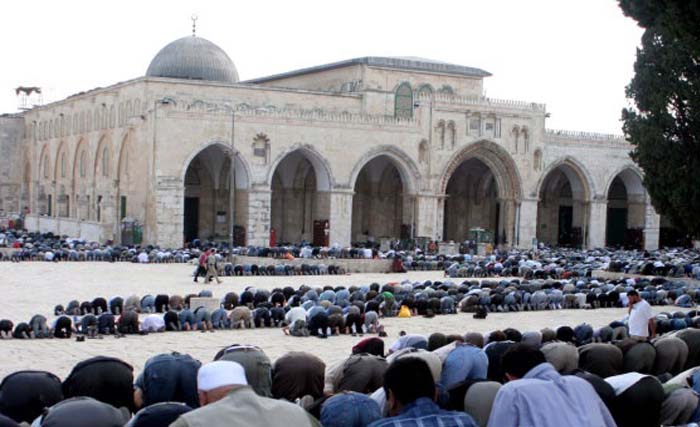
pixel 575 56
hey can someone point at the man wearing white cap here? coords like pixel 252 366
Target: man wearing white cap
pixel 227 401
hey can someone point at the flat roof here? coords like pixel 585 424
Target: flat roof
pixel 410 63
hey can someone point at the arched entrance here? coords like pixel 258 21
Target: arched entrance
pixel 626 215
pixel 210 197
pixel 380 206
pixel 481 186
pixel 300 199
pixel 562 210
pixel 472 201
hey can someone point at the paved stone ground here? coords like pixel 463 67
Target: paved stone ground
pixel 30 288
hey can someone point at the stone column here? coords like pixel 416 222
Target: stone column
pixel 426 215
pixel 527 223
pixel 440 218
pixel 259 216
pixel 341 216
pixel 598 218
pixel 169 211
pixel 652 228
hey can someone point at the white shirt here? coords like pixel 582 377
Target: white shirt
pixel 153 323
pixel 143 258
pixel 638 322
pixel 297 313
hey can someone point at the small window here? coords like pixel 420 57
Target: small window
pixel 497 131
pixel 63 165
pixel 83 155
pixel 46 166
pixel 105 162
pixel 122 208
pixel 403 107
pixel 475 125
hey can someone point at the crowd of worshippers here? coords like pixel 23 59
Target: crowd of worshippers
pixel 544 261
pixel 324 311
pixel 506 378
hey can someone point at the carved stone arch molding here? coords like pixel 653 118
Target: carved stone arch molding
pixel 403 162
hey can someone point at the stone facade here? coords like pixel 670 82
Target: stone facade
pixel 358 150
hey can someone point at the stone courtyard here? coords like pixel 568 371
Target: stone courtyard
pixel 36 287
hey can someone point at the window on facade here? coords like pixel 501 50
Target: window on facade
pixel 404 102
pixel 446 89
pixel 63 165
pixel 425 90
pixel 49 204
pixel 46 166
pixel 497 130
pixel 122 208
pixel 83 155
pixel 98 208
pixel 475 125
pixel 105 162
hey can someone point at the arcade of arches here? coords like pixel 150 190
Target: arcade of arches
pixel 383 207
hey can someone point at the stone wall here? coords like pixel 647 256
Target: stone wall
pixel 11 135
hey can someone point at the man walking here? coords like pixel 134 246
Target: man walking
pixel 212 267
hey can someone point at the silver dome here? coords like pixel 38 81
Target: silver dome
pixel 193 58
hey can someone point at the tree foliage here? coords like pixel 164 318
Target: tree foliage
pixel 664 124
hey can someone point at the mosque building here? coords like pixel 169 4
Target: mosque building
pixel 361 149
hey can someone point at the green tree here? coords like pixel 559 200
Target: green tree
pixel 664 124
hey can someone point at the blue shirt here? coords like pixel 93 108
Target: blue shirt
pixel 543 398
pixel 425 413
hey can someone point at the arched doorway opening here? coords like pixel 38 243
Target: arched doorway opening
pixel 210 197
pixel 481 187
pixel 472 202
pixel 562 210
pixel 380 207
pixel 300 200
pixel 626 216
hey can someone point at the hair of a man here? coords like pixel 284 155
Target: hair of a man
pixel 632 293
pixel 409 379
pixel 520 359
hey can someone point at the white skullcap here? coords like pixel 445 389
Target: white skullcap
pixel 219 374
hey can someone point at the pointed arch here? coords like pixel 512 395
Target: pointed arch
pixel 496 158
pixel 322 168
pixel 101 166
pixel 407 168
pixel 581 180
pixel 60 169
pixel 241 166
pixel 44 171
pixel 631 175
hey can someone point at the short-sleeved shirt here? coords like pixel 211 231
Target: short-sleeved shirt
pixel 638 322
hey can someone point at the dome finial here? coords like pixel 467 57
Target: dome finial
pixel 194 19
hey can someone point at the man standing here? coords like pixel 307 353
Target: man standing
pixel 536 395
pixel 227 400
pixel 641 320
pixel 212 267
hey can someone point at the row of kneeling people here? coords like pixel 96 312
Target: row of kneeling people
pixel 501 379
